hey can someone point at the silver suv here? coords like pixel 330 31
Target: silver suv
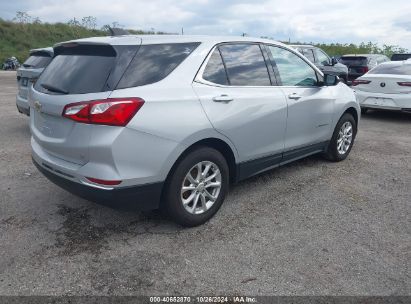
pixel 170 121
pixel 28 73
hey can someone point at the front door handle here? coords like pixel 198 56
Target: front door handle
pixel 222 98
pixel 294 96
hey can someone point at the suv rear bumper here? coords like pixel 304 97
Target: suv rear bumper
pixel 22 105
pixel 141 197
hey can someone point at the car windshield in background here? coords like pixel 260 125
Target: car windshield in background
pixel 400 57
pixel 154 62
pixel 354 61
pixel 37 61
pixel 396 69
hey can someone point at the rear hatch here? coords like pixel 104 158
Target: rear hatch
pixel 388 84
pixel 79 72
pixel 355 64
pixel 389 78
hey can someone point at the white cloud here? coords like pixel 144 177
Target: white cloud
pixel 317 21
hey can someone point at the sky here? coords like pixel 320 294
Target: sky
pixel 344 21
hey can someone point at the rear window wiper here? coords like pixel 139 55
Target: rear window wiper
pixel 52 88
pixel 27 65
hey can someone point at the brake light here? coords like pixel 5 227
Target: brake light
pixel 111 111
pixel 104 182
pixel 404 83
pixel 364 70
pixel 359 81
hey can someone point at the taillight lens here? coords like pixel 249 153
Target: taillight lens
pixel 111 111
pixel 404 83
pixel 364 70
pixel 359 81
pixel 104 182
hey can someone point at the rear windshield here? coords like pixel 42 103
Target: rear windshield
pixel 85 69
pixel 354 61
pixel 37 61
pixel 400 57
pixel 396 69
pixel 154 62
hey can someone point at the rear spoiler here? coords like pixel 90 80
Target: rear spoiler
pixel 48 51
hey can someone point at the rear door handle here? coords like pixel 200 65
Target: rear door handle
pixel 294 96
pixel 222 98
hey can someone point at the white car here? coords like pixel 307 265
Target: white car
pixel 387 87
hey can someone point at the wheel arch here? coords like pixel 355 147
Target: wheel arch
pixel 353 111
pixel 218 144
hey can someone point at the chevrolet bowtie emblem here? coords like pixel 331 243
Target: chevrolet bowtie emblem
pixel 37 105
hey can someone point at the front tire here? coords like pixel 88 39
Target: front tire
pixel 343 138
pixel 197 187
pixel 364 111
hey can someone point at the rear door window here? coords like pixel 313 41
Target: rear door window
pixel 293 70
pixel 215 71
pixel 245 65
pixel 154 62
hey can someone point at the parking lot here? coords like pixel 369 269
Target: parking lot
pixel 310 228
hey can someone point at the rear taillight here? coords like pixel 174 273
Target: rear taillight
pixel 111 111
pixel 359 81
pixel 364 70
pixel 104 181
pixel 404 83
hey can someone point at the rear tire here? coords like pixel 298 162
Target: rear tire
pixel 343 138
pixel 192 194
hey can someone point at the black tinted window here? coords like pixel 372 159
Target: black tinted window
pixel 37 61
pixel 215 71
pixel 396 69
pixel 154 62
pixel 245 65
pixel 76 74
pixel 354 61
pixel 399 57
pixel 78 70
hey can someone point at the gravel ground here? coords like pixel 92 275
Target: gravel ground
pixel 308 228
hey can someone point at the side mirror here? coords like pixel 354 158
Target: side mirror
pixel 334 61
pixel 331 80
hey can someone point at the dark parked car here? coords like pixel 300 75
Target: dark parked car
pixel 358 65
pixel 324 62
pixel 400 57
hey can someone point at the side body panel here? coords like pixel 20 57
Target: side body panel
pixel 254 120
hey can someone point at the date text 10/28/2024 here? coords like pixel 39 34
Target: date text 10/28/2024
pixel 200 299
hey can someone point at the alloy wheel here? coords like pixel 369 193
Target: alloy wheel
pixel 201 187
